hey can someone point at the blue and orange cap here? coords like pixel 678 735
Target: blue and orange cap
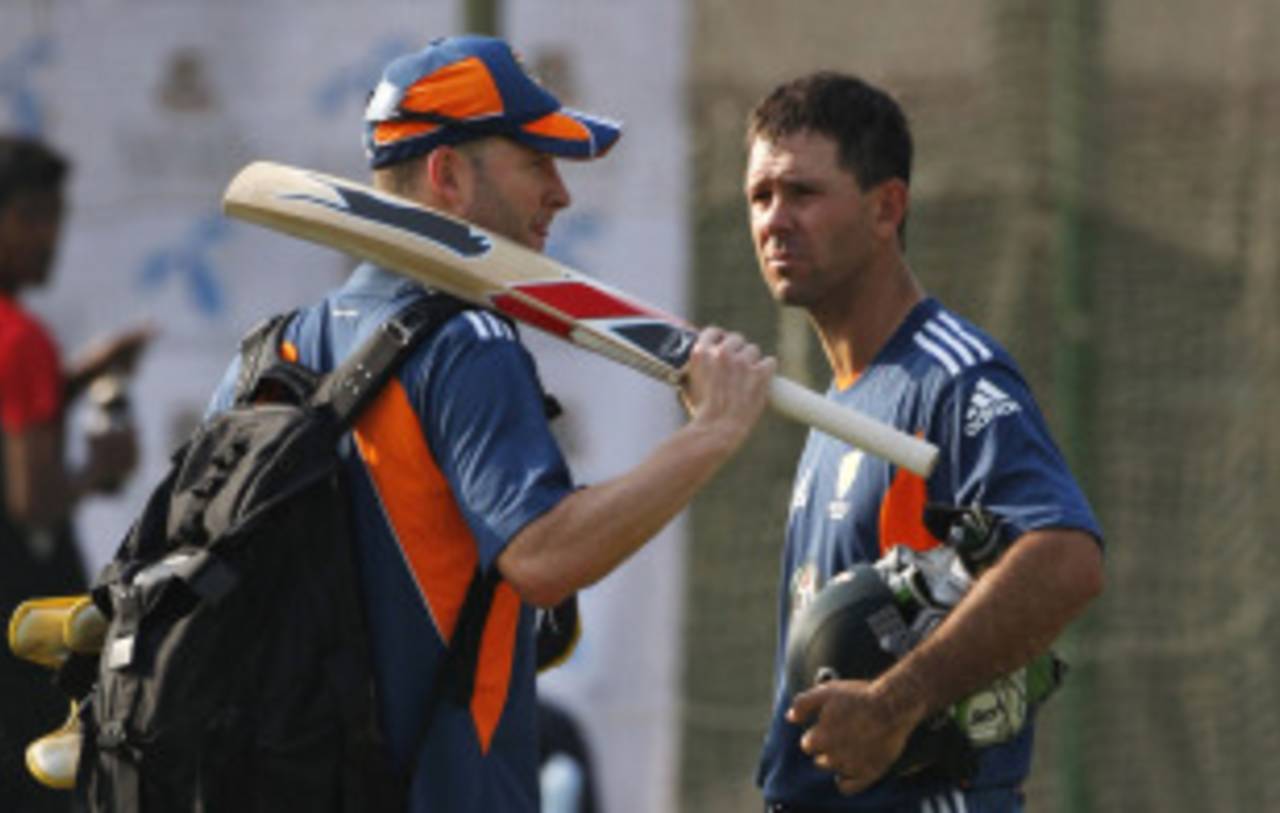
pixel 461 88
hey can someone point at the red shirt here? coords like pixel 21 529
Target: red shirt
pixel 30 372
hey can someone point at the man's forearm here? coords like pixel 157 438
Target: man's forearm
pixel 1015 612
pixel 594 530
pixel 39 491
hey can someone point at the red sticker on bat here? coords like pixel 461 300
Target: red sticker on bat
pixel 584 301
pixel 530 315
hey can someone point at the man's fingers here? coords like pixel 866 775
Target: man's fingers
pixel 725 384
pixel 710 337
pixel 733 343
pixel 822 760
pixel 743 349
pixel 729 348
pixel 724 340
pixel 806 704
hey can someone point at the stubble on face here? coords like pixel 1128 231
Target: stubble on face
pixel 516 191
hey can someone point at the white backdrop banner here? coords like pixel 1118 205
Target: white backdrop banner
pixel 159 103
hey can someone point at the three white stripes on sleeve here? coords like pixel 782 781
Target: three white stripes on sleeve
pixel 946 340
pixel 949 802
pixel 487 326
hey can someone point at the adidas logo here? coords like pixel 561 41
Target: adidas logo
pixel 987 403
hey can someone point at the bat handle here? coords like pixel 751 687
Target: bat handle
pixel 808 407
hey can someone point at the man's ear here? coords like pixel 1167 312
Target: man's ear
pixel 890 209
pixel 450 178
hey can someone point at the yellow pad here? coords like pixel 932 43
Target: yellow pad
pixel 85 627
pixel 47 630
pixel 569 648
pixel 53 758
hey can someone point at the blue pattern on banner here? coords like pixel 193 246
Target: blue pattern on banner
pixel 190 261
pixel 25 108
pixel 357 80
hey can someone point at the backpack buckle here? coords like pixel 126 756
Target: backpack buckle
pixel 112 736
pixel 399 332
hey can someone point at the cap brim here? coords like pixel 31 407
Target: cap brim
pixel 570 134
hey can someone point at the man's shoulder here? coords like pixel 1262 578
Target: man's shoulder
pixel 18 326
pixel 943 344
pixel 936 359
pixel 27 348
pixel 372 296
pixel 469 334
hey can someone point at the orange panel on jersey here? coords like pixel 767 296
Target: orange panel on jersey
pixel 846 380
pixel 419 506
pixel 493 670
pixel 902 514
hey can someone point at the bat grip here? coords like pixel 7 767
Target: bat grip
pixel 911 453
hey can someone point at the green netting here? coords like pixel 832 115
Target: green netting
pixel 1098 185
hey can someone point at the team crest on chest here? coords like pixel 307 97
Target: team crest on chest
pixel 838 508
pixel 804 586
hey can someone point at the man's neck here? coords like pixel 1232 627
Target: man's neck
pixel 854 333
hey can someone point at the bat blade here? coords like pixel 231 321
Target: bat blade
pixel 462 259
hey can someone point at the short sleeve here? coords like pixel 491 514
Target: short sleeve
pixel 1000 454
pixel 484 418
pixel 30 378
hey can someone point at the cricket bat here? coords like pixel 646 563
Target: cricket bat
pixel 449 254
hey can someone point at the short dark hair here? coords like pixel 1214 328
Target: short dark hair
pixel 28 165
pixel 872 136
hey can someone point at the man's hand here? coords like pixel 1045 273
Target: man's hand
pixel 859 729
pixel 112 457
pixel 594 529
pixel 119 351
pixel 726 382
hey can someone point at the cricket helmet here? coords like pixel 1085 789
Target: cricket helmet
pixel 841 633
pixel 855 629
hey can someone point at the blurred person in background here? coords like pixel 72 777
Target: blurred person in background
pixel 827 194
pixel 39 490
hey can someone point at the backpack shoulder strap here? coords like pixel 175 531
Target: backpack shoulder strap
pixel 354 383
pixel 455 679
pixel 348 390
pixel 259 352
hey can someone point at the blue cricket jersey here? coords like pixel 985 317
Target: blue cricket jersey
pixel 940 377
pixel 449 462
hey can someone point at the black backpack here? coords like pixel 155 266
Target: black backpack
pixel 236 673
